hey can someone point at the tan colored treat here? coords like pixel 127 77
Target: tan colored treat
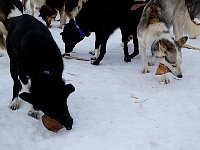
pixel 162 69
pixel 51 124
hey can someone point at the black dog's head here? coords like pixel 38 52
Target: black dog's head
pixel 49 94
pixel 71 36
pixel 48 14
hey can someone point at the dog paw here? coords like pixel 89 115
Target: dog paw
pixel 33 113
pixel 93 58
pixel 165 81
pixel 91 52
pixel 127 59
pixel 151 63
pixel 14 104
pixel 65 54
pixel 145 70
pixel 94 62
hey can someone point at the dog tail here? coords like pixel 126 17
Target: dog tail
pixel 192 28
pixel 3 32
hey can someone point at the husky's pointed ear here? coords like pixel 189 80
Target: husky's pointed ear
pixel 162 45
pixel 26 97
pixel 181 41
pixel 161 50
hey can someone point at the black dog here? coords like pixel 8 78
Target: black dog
pixel 130 30
pixel 49 11
pixel 36 67
pixel 99 16
pixel 103 17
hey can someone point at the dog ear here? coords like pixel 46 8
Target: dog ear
pixel 68 89
pixel 26 97
pixel 181 41
pixel 161 49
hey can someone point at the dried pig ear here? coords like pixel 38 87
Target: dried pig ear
pixel 162 69
pixel 51 124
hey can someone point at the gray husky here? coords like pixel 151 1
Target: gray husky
pixel 153 33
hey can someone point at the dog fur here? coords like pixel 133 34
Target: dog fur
pixel 129 32
pixel 36 68
pixel 49 11
pixel 8 9
pixel 102 17
pixel 39 3
pixel 153 33
pixel 24 2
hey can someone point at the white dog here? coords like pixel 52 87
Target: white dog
pixel 153 33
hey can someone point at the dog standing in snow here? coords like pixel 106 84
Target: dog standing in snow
pixel 153 33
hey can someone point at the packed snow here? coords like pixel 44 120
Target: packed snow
pixel 114 106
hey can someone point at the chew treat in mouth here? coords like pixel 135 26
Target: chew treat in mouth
pixel 51 124
pixel 162 69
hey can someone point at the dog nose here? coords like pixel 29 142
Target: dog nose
pixel 180 76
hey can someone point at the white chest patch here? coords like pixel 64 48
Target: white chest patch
pixel 14 13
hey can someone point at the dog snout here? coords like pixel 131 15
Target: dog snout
pixel 68 124
pixel 180 76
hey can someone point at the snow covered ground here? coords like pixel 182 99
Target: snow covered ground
pixel 114 107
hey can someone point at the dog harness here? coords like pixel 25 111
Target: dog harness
pixel 82 35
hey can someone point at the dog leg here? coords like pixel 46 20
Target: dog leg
pixel 32 112
pixel 179 25
pixel 16 86
pixel 145 67
pixel 135 42
pixel 152 61
pixel 39 3
pixel 32 6
pixel 96 51
pixel 62 16
pixel 125 43
pixel 106 32
pixel 24 4
pixel 25 84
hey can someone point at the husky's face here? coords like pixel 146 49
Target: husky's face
pixel 72 7
pixel 169 54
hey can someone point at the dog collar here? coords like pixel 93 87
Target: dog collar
pixel 46 72
pixel 52 10
pixel 82 35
